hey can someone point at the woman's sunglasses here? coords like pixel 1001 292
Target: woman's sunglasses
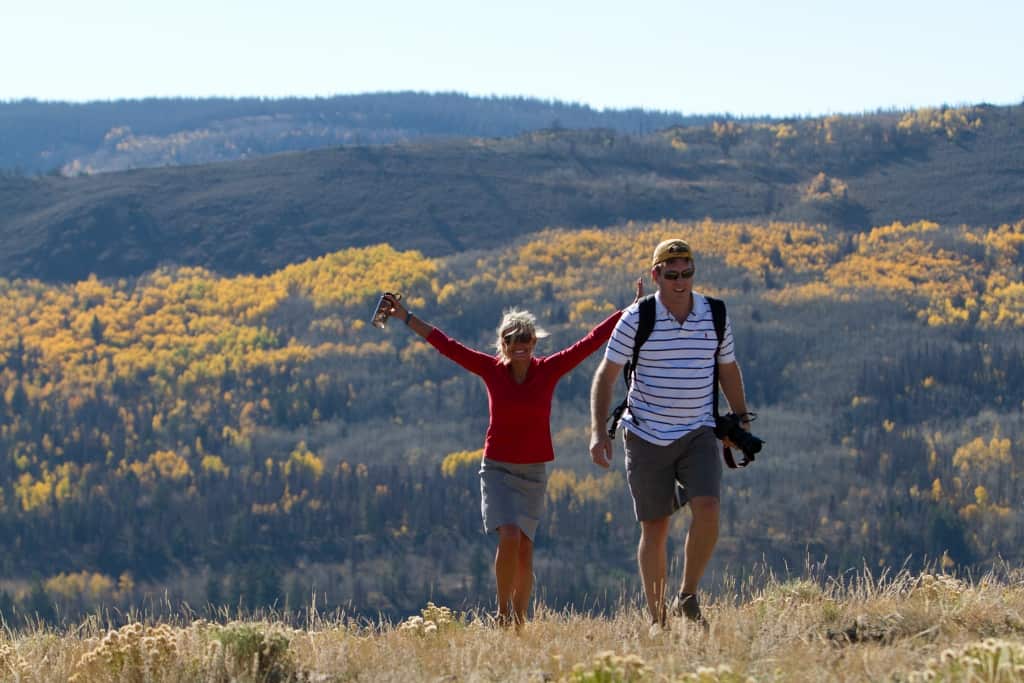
pixel 521 337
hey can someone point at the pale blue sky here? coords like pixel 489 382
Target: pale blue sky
pixel 742 57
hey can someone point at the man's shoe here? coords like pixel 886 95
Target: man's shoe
pixel 686 605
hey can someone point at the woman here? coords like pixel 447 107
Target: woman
pixel 513 472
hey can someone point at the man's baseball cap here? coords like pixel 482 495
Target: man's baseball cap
pixel 670 249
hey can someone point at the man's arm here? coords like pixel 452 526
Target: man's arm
pixel 600 404
pixel 731 380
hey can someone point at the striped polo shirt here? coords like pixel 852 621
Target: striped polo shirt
pixel 672 389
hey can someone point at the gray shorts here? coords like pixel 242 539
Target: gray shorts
pixel 511 493
pixel 693 460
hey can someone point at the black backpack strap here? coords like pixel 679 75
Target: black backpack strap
pixel 718 318
pixel 648 314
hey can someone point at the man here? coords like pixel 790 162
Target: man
pixel 668 435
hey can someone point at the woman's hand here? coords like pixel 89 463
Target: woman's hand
pixel 396 306
pixel 639 289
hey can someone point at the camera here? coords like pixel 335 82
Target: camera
pixel 730 427
pixel 383 310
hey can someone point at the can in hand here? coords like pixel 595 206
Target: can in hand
pixel 380 316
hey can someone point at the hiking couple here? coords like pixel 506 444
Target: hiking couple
pixel 668 428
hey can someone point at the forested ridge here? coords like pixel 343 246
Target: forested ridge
pixel 96 137
pixel 251 439
pixel 258 215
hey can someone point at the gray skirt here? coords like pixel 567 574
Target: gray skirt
pixel 512 493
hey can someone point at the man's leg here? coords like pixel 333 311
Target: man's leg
pixel 700 541
pixel 652 557
pixel 523 587
pixel 700 471
pixel 506 561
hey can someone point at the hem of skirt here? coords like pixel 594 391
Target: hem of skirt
pixel 494 530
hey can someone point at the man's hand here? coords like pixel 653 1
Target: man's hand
pixel 744 425
pixel 600 402
pixel 601 449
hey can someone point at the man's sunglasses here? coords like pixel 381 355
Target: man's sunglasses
pixel 518 337
pixel 676 274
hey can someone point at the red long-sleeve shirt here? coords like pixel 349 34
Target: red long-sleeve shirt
pixel 520 414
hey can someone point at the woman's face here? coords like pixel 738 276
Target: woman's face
pixel 519 345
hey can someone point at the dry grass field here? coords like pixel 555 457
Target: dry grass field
pixel 900 628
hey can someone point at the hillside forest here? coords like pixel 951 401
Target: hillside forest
pixel 250 440
pixel 256 215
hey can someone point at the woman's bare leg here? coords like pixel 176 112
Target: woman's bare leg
pixel 524 579
pixel 506 564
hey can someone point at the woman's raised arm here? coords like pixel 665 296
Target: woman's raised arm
pixel 566 359
pixel 402 313
pixel 476 362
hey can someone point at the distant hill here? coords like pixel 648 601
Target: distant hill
pixel 951 166
pixel 96 137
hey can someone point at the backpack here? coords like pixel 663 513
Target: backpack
pixel 648 312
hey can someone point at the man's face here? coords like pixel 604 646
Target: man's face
pixel 674 279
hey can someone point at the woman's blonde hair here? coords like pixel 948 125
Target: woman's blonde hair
pixel 515 321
